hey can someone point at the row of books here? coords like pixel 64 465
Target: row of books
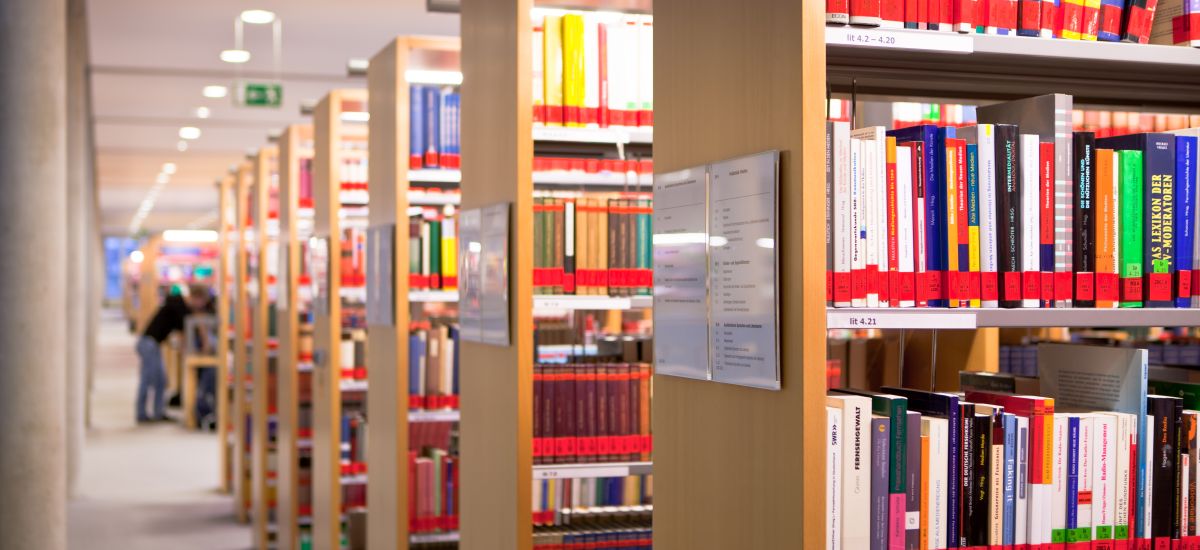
pixel 1104 20
pixel 583 165
pixel 352 264
pixel 980 217
pixel 1019 360
pixel 433 491
pixel 592 245
pixel 915 469
pixel 434 127
pixel 352 176
pixel 352 354
pixel 1118 123
pixel 593 69
pixel 354 314
pixel 591 412
pixel 907 113
pixel 432 251
pixel 305 183
pixel 433 366
pixel 354 443
pixel 606 538
pixel 1184 355
pixel 555 501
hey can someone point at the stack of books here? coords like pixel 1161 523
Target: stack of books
pixel 558 501
pixel 433 366
pixel 352 173
pixel 596 245
pixel 578 165
pixel 591 413
pixel 432 251
pixel 434 127
pixel 433 465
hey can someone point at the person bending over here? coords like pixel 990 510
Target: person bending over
pixel 152 375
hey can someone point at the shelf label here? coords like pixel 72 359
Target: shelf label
pixel 589 472
pixel 900 40
pixel 851 319
pixel 680 273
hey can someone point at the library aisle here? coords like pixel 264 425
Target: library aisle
pixel 144 487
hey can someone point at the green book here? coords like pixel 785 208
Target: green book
pixel 1130 223
pixel 645 259
pixel 414 247
pixel 1187 391
pixel 435 253
pixel 895 408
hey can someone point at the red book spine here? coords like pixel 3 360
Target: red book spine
pixel 865 12
pixel 889 294
pixel 836 11
pixel 1046 222
pixel 964 228
pixel 891 13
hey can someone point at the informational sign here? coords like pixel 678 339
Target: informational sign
pixel 483 262
pixel 381 261
pixel 743 272
pixel 262 94
pixel 470 293
pixel 318 262
pixel 681 273
pixel 716 272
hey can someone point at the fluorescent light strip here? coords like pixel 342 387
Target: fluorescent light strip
pixel 190 236
pixel 258 17
pixel 356 116
pixel 444 78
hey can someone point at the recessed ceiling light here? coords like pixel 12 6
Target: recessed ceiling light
pixel 202 112
pixel 215 91
pixel 235 56
pixel 136 256
pixel 168 168
pixel 258 17
pixel 189 132
pixel 181 146
pixel 162 178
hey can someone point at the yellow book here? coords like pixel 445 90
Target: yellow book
pixel 552 69
pixel 1072 19
pixel 539 83
pixel 449 254
pixel 952 217
pixel 573 85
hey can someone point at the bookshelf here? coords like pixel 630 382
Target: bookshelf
pixel 242 387
pixel 264 357
pixel 225 242
pixel 334 141
pixel 389 483
pixel 295 226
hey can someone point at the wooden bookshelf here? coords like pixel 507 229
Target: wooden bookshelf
pixel 295 226
pixel 388 483
pixel 241 322
pixel 263 357
pixel 225 240
pixel 330 131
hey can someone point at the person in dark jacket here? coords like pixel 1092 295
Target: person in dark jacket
pixel 153 376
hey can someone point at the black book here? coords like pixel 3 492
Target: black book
pixel 1167 412
pixel 1008 213
pixel 1084 222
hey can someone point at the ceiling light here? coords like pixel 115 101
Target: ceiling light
pixel 181 146
pixel 235 56
pixel 190 235
pixel 136 256
pixel 356 116
pixel 189 132
pixel 215 91
pixel 168 168
pixel 357 67
pixel 202 112
pixel 258 17
pixel 162 178
pixel 445 78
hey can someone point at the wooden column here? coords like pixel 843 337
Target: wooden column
pixel 225 233
pixel 263 167
pixel 497 382
pixel 241 310
pixel 737 467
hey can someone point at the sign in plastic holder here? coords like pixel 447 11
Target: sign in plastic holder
pixel 899 39
pixel 716 272
pixel 381 259
pixel 483 274
pixel 935 319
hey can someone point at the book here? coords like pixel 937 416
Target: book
pixel 865 12
pixel 1139 18
pixel 1084 256
pixel 1030 221
pixel 1111 12
pixel 1010 215
pixel 941 405
pixel 913 481
pixel 856 467
pixel 552 69
pixel 1029 17
pixel 936 512
pixel 1046 221
pixel 983 136
pixel 956 230
pixel 1185 218
pixel 833 478
pixel 904 286
pixel 931 289
pixel 1107 233
pixel 1166 412
pixel 837 12
pixel 1158 176
pixel 896 409
pixel 1176 22
pixel 1129 222
pixel 881 437
pixel 890 244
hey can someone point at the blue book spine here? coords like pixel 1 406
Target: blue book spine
pixel 935 196
pixel 432 104
pixel 416 350
pixel 416 126
pixel 345 440
pixel 1185 216
pixel 940 158
pixel 880 439
pixel 1010 478
pixel 1072 474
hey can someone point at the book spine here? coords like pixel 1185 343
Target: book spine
pixel 912 515
pixel 912 14
pixel 897 411
pixel 1008 176
pixel 920 226
pixel 1104 450
pixel 552 69
pixel 889 295
pixel 537 67
pixel 1030 18
pixel 416 127
pixel 1031 270
pixel 829 214
pixel 843 225
pixel 1010 479
pixel 970 497
pixel 973 235
pixel 1111 12
pixel 953 209
pixel 1021 516
pixel 833 488
pixel 1159 212
pixel 858 259
pixel 865 12
pixel 837 12
pixel 937 197
pixel 880 442
pixel 1130 224
pixel 1091 20
pixel 955 431
pixel 1139 17
pixel 981 473
pixel 1185 215
pixel 1049 17
pixel 989 279
pixel 1084 174
pixel 1105 215
pixel 1046 222
pixel 891 14
pixel 906 283
pixel 924 514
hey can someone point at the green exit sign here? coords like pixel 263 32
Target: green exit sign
pixel 256 94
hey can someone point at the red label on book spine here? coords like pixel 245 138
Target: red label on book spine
pixel 1063 285
pixel 975 284
pixel 1196 282
pixel 837 6
pixel 1131 289
pixel 1185 283
pixel 858 284
pixel 1032 284
pixel 1110 19
pixel 1185 28
pixel 1012 285
pixel 1106 287
pixel 841 287
pixel 962 287
pixel 864 8
pixel 1047 287
pixel 989 285
pixel 1085 286
pixel 1138 26
pixel 1160 286
pixel 908 286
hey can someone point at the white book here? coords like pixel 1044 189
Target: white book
pixel 833 479
pixel 1021 509
pixel 1147 505
pixel 1058 508
pixel 904 219
pixel 536 44
pixel 1083 513
pixel 939 460
pixel 1121 471
pixel 1185 470
pixel 1030 217
pixel 591 69
pixel 874 189
pixel 858 210
pixel 1195 495
pixel 919 244
pixel 856 466
pixel 645 57
pixel 1104 485
pixel 843 230
pixel 988 262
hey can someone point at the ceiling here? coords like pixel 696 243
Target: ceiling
pixel 150 60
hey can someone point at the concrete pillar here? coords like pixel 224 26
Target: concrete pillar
pixel 79 205
pixel 33 265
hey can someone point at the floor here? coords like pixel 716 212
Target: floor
pixel 145 487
